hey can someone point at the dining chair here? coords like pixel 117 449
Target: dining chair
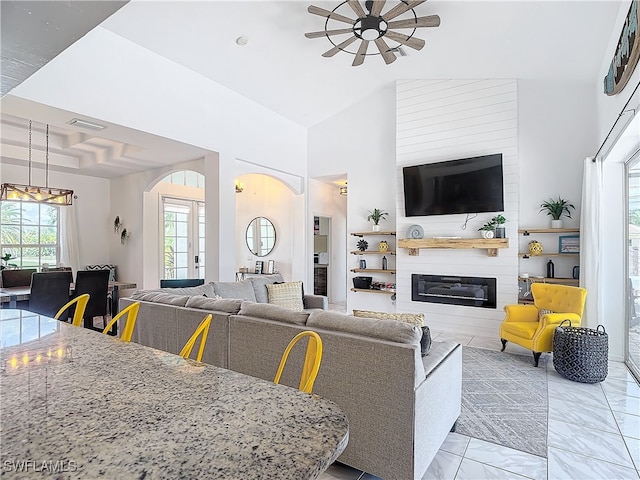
pixel 312 360
pixel 49 292
pixel 132 314
pixel 80 303
pixel 96 284
pixel 202 330
pixel 16 278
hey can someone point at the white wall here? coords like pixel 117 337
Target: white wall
pixel 441 120
pixel 95 225
pixel 360 141
pixel 265 196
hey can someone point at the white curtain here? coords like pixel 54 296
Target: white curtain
pixel 590 238
pixel 69 253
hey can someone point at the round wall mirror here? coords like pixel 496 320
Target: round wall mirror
pixel 261 236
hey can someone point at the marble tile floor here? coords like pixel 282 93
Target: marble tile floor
pixel 593 432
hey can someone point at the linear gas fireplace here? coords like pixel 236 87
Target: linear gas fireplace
pixel 455 290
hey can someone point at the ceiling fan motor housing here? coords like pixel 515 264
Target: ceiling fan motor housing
pixel 370 28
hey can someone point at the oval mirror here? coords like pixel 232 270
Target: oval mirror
pixel 261 236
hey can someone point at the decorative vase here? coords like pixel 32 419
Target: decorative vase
pixel 487 233
pixel 376 228
pixel 500 232
pixel 535 247
pixel 383 246
pixel 556 223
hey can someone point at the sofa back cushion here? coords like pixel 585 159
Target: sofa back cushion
pixel 390 330
pixel 206 290
pixel 160 297
pixel 242 290
pixel 260 285
pixel 273 312
pixel 228 305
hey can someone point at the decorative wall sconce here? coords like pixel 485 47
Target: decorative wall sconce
pixel 343 190
pixel 239 186
pixel 119 228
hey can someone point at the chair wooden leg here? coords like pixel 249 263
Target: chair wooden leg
pixel 536 358
pixel 504 344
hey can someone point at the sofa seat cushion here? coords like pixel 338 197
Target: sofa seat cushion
pixel 369 327
pixel 288 295
pixel 242 290
pixel 260 285
pixel 273 312
pixel 227 305
pixel 160 297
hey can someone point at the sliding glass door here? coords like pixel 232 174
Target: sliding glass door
pixel 632 357
pixel 183 238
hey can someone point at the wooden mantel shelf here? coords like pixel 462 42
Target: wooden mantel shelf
pixel 490 244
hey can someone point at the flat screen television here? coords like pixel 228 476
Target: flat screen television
pixel 466 185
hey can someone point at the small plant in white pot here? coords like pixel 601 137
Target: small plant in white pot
pixel 556 208
pixel 488 230
pixel 375 216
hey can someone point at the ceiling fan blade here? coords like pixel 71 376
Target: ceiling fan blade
pixel 413 42
pixel 401 8
pixel 357 8
pixel 377 7
pixel 429 21
pixel 326 13
pixel 362 51
pixel 386 53
pixel 328 33
pixel 340 46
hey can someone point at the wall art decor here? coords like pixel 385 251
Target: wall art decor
pixel 626 55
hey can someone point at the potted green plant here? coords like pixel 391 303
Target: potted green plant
pixel 5 261
pixel 488 229
pixel 556 208
pixel 375 216
pixel 499 222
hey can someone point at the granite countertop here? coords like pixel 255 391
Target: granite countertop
pixel 99 407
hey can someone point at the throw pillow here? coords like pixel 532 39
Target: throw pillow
pixel 288 295
pixel 410 318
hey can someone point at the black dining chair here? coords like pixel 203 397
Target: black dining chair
pixel 49 292
pixel 16 278
pixel 96 284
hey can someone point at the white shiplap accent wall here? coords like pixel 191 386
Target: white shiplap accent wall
pixel 440 120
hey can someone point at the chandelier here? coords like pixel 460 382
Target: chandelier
pixel 34 193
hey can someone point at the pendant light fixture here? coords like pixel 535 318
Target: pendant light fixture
pixel 33 193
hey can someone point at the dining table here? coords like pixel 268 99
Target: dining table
pixel 80 404
pixel 12 295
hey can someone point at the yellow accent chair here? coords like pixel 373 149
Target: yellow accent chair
pixel 532 326
pixel 312 360
pixel 203 329
pixel 81 304
pixel 132 314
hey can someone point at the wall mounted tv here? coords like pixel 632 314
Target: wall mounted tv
pixel 466 185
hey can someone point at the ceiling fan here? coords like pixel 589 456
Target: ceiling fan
pixel 373 26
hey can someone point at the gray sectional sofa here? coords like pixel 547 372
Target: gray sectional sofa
pixel 400 405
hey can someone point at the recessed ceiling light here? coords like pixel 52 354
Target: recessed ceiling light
pixel 85 124
pixel 242 40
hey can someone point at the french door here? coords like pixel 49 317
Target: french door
pixel 632 357
pixel 183 238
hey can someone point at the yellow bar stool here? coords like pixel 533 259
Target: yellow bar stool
pixel 132 314
pixel 203 329
pixel 312 360
pixel 81 304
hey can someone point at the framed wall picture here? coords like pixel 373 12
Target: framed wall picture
pixel 259 266
pixel 271 267
pixel 569 244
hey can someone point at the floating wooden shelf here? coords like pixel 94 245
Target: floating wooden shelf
pixel 558 280
pixel 527 231
pixel 372 270
pixel 370 290
pixel 373 252
pixel 528 255
pixel 363 234
pixel 490 244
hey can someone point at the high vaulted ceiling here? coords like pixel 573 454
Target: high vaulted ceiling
pixel 279 68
